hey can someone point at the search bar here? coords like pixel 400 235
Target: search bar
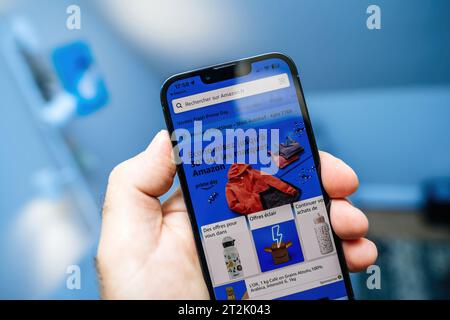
pixel 234 92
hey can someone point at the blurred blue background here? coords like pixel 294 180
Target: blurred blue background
pixel 380 99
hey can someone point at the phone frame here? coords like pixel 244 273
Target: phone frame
pixel 315 152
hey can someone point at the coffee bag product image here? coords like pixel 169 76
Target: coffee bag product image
pixel 230 293
pixel 279 252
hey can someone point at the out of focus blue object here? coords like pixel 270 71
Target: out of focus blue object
pixel 79 76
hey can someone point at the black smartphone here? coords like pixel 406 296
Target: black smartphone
pixel 249 170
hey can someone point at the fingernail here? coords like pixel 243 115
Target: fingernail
pixel 163 132
pixel 156 140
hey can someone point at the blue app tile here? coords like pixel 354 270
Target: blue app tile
pixel 78 73
pixel 271 255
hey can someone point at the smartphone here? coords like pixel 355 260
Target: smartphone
pixel 249 170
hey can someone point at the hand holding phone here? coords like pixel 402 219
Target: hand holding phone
pixel 147 250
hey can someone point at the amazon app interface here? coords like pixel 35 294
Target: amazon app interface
pixel 254 187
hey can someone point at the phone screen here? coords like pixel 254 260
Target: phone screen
pixel 250 180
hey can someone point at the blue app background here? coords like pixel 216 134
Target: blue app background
pixel 262 238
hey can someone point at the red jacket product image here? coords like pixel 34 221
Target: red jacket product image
pixel 246 186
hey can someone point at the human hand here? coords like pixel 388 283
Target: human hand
pixel 147 249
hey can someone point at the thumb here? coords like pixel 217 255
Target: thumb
pixel 150 172
pixel 132 215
